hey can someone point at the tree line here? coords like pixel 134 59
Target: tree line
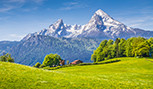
pixel 132 47
pixel 6 58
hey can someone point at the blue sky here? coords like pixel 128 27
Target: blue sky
pixel 20 17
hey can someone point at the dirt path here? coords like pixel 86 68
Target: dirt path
pixel 149 60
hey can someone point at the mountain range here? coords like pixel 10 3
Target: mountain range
pixel 100 26
pixel 71 42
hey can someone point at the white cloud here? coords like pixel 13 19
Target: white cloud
pixel 135 25
pixel 146 24
pixel 140 21
pixel 30 9
pixel 16 1
pixel 12 37
pixel 24 1
pixel 16 36
pixel 8 5
pixel 6 9
pixel 72 5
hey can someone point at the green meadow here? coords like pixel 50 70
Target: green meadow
pixel 129 73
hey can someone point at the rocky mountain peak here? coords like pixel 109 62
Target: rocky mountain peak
pixel 101 13
pixel 59 21
pixel 57 24
pixel 104 17
pixel 101 25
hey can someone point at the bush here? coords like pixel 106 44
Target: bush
pixel 37 65
pixel 41 66
pixel 102 62
pixel 3 58
pixel 9 59
pixel 52 68
pixel 6 58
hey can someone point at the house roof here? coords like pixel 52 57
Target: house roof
pixel 76 61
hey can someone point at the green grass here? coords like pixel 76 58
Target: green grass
pixel 82 64
pixel 150 59
pixel 129 73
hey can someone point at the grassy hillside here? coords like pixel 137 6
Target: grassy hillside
pixel 127 73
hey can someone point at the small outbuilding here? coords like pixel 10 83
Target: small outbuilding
pixel 76 62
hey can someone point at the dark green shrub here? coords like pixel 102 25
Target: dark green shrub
pixel 41 66
pixel 37 65
pixel 3 58
pixel 9 59
pixel 6 58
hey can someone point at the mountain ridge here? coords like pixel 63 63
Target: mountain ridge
pixel 35 48
pixel 100 26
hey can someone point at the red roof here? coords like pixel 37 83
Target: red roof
pixel 76 62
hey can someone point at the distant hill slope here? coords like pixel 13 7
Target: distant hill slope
pixel 35 48
pixel 129 73
pixel 5 46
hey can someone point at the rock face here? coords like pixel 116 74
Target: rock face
pixel 100 26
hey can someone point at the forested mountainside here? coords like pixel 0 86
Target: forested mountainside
pixel 35 48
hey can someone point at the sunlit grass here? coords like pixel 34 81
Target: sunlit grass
pixel 127 73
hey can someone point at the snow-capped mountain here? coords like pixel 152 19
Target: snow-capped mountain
pixel 75 39
pixel 100 26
